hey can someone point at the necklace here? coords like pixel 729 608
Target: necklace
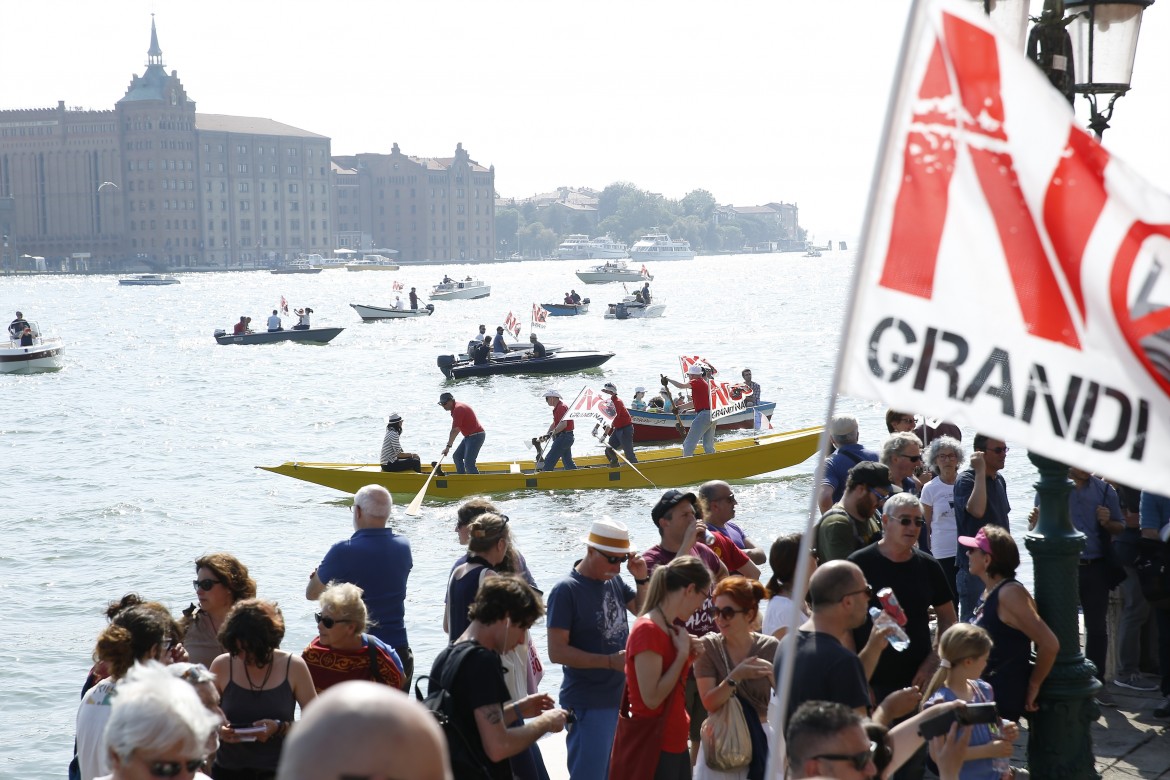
pixel 258 688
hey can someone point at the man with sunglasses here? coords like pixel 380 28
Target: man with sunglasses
pixel 587 633
pixel 980 499
pixel 853 522
pixel 902 453
pixel 826 739
pixel 717 501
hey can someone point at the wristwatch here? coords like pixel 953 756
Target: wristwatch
pixel 731 682
pixel 641 582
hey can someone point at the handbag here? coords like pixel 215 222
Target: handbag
pixel 637 743
pixel 726 739
pixel 1153 571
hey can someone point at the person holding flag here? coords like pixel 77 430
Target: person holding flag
pixel 621 430
pixel 560 433
pixel 702 427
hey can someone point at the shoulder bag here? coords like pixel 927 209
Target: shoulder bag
pixel 637 743
pixel 1115 573
pixel 726 739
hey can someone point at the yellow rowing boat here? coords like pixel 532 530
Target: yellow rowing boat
pixel 733 459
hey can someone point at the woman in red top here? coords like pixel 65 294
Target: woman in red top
pixel 658 656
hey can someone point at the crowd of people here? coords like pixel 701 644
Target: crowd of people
pixel 906 609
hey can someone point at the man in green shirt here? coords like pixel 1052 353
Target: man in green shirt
pixel 855 520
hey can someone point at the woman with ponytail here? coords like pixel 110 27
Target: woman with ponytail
pixel 783 594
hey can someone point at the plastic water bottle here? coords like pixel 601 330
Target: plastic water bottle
pixel 897 638
pixel 1001 766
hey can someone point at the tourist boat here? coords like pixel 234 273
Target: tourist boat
pixel 660 468
pixel 607 248
pixel 372 263
pixel 613 271
pixel 44 354
pixel 299 266
pixel 519 362
pixel 566 309
pixel 575 247
pixel 148 280
pixel 653 425
pixel 373 313
pixel 325 263
pixel 310 336
pixel 660 246
pixel 630 308
pixel 468 289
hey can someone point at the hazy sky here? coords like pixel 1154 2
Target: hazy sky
pixel 754 101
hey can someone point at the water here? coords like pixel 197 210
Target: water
pixel 138 457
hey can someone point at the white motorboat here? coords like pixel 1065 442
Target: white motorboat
pixel 660 246
pixel 574 247
pixel 45 353
pixel 325 263
pixel 372 263
pixel 613 271
pixel 468 289
pixel 148 280
pixel 372 313
pixel 299 266
pixel 631 308
pixel 607 248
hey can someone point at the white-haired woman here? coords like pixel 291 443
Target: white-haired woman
pixel 944 457
pixel 158 727
pixel 342 650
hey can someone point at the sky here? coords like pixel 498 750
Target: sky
pixel 755 101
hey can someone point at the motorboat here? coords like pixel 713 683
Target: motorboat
pixel 613 271
pixel 46 353
pixel 372 263
pixel 657 425
pixel 299 266
pixel 630 307
pixel 812 252
pixel 468 289
pixel 659 468
pixel 325 263
pixel 148 280
pixel 309 336
pixel 559 362
pixel 574 247
pixel 373 313
pixel 660 246
pixel 607 248
pixel 566 309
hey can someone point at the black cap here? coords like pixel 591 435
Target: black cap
pixel 670 499
pixel 445 397
pixel 870 474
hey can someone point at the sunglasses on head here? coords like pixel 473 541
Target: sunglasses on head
pixel 173 768
pixel 327 621
pixel 727 613
pixel 206 584
pixel 908 519
pixel 859 760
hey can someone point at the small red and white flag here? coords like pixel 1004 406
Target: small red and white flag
pixel 539 315
pixel 512 325
pixel 398 287
pixel 283 305
pixel 593 405
pixel 686 361
pixel 1012 274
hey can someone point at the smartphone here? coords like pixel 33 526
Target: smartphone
pixel 247 732
pixel 984 712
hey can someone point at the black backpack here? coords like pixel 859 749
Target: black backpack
pixel 465 762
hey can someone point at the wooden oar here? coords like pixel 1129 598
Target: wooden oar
pixel 678 424
pixel 539 460
pixel 620 454
pixel 415 508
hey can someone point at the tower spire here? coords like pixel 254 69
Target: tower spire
pixel 154 55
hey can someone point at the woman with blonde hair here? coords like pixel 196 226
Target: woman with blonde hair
pixel 220 581
pixel 342 650
pixel 488 541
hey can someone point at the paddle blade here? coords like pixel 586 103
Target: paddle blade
pixel 415 508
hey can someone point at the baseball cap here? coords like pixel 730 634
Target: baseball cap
pixel 670 499
pixel 445 397
pixel 979 541
pixel 871 474
pixel 695 370
pixel 610 536
pixel 609 387
pixel 639 389
pixel 843 425
pixel 552 394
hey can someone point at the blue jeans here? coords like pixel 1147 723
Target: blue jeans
pixel 561 448
pixel 624 437
pixel 701 428
pixel 466 453
pixel 969 588
pixel 589 741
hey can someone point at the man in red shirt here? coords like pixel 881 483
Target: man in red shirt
pixel 621 431
pixel 702 426
pixel 560 433
pixel 463 421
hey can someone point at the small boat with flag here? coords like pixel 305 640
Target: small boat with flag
pixel 566 309
pixel 653 425
pixel 614 271
pixel 468 289
pixel 373 313
pixel 518 362
pixel 668 467
pixel 41 354
pixel 632 308
pixel 309 336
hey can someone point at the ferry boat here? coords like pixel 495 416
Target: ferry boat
pixel 299 266
pixel 148 280
pixel 607 248
pixel 660 246
pixel 372 263
pixel 613 271
pixel 575 246
pixel 319 261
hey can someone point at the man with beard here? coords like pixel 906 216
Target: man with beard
pixel 852 522
pixel 587 633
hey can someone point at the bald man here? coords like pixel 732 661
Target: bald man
pixel 362 729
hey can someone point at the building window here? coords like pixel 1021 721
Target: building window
pixel 292 188
pixel 292 170
pixel 242 168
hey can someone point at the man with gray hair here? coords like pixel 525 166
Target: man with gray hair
pixel 362 729
pixel 378 561
pixel 843 434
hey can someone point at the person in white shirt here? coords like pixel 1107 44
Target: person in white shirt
pixel 274 323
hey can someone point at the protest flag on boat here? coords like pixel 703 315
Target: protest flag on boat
pixel 283 305
pixel 512 325
pixel 398 286
pixel 539 315
pixel 593 405
pixel 1009 275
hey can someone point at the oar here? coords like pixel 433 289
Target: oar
pixel 621 455
pixel 539 460
pixel 665 393
pixel 415 508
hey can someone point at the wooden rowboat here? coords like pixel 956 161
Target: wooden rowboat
pixel 734 459
pixel 651 425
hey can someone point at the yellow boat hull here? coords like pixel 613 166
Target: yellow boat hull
pixel 734 459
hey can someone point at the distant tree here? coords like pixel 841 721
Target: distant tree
pixel 730 238
pixel 607 201
pixel 507 225
pixel 581 224
pixel 699 203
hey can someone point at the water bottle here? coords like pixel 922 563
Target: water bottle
pixel 1001 766
pixel 897 638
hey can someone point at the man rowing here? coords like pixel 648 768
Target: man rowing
pixel 621 431
pixel 702 427
pixel 463 421
pixel 560 433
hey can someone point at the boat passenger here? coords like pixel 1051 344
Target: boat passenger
pixel 302 318
pixel 447 279
pixel 398 304
pixel 576 297
pixel 481 354
pixel 463 420
pixel 538 350
pixel 499 347
pixel 621 430
pixel 393 458
pixel 241 327
pixel 17 326
pixel 638 297
pixel 754 398
pixel 26 338
pixel 468 279
pixel 646 293
pixel 560 433
pixel 639 402
pixel 476 339
pixel 413 298
pixel 568 299
pixel 274 323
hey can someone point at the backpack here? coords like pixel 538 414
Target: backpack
pixel 465 762
pixel 837 511
pixel 1153 571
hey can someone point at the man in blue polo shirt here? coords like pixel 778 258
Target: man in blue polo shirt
pixel 378 561
pixel 843 432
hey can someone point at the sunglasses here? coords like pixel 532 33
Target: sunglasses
pixel 858 760
pixel 615 558
pixel 868 591
pixel 908 519
pixel 173 768
pixel 912 458
pixel 998 450
pixel 206 585
pixel 878 495
pixel 727 613
pixel 730 498
pixel 327 621
pixel 907 420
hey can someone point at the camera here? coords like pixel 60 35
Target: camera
pixel 984 712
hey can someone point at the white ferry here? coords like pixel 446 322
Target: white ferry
pixel 575 246
pixel 660 246
pixel 607 248
pixel 372 263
